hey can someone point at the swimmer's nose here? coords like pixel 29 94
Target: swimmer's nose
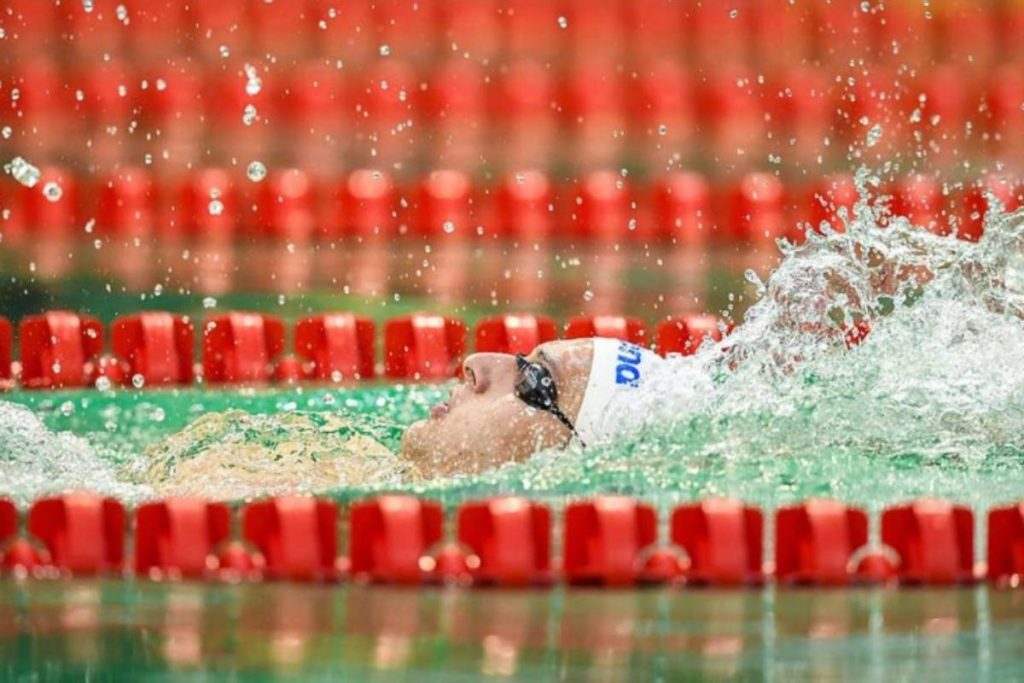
pixel 485 370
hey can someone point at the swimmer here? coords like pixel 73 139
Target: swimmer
pixel 509 407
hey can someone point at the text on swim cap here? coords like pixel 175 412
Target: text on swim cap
pixel 627 368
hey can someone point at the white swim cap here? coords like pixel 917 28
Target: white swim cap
pixel 618 371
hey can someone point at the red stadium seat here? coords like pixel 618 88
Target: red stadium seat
pixel 934 540
pixel 316 108
pixel 286 206
pixel 336 346
pixel 155 346
pixel 602 207
pixel 514 333
pixel 472 27
pixel 178 537
pixel 55 214
pixel 364 206
pixel 208 208
pixel 532 29
pixel 758 209
pixel 605 539
pixel 58 349
pixel 663 111
pixel 685 334
pixel 18 554
pixel 423 346
pixel 83 532
pixel 919 199
pixel 127 204
pixel 523 207
pixel 390 537
pixel 1005 544
pixel 525 122
pixel 6 352
pixel 656 27
pixel 615 326
pixel 95 29
pixel 282 28
pixel 682 209
pixel 157 28
pixel 343 34
pixel 594 116
pixel 510 539
pixel 723 539
pixel 1007 192
pixel 444 206
pixel 456 107
pixel 297 536
pixel 241 347
pixel 815 541
pixel 215 26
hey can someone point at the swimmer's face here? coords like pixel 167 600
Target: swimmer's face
pixel 483 424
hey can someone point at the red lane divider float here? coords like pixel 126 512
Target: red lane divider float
pixel 614 326
pixel 296 536
pixel 336 347
pixel 156 347
pixel 177 538
pixel 723 539
pixel 514 333
pixel 241 347
pixel 1006 545
pixel 510 539
pixel 83 532
pixel 423 346
pixel 390 538
pixel 816 540
pixel 685 334
pixel 506 542
pixel 934 540
pixel 59 350
pixel 604 541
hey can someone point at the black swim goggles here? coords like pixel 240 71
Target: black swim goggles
pixel 536 388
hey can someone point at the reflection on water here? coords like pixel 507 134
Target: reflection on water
pixel 115 629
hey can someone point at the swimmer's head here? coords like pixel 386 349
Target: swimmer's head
pixel 486 420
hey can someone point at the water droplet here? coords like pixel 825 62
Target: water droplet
pixel 216 207
pixel 249 114
pixel 87 6
pixel 103 383
pixel 734 13
pixel 662 129
pixel 122 14
pixel 256 171
pixel 224 51
pixel 588 295
pixel 209 302
pixel 449 227
pixel 24 172
pixel 52 191
pixel 253 83
pixel 873 136
pixel 7 132
pixel 563 22
pixel 67 408
pixel 384 50
pixel 138 381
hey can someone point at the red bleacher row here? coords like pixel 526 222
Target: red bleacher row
pixel 60 349
pixel 461 114
pixel 770 31
pixel 216 204
pixel 507 541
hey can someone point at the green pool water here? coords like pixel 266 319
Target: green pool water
pixel 110 630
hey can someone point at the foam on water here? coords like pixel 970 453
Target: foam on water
pixel 930 403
